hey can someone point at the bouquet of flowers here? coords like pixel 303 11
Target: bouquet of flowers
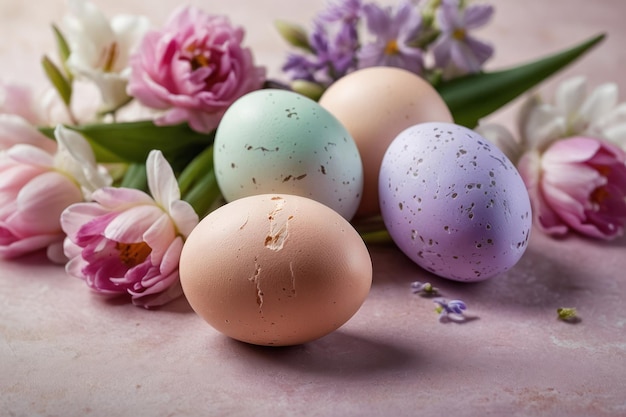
pixel 113 168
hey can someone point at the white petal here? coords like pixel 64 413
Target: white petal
pixel 184 217
pixel 76 158
pixel 89 34
pixel 523 114
pixel 161 180
pixel 616 134
pixel 600 102
pixel 129 31
pixel 570 95
pixel 503 139
pixel 112 88
pixel 543 125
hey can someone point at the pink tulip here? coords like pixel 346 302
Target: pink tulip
pixel 193 69
pixel 17 99
pixel 578 184
pixel 126 242
pixel 36 185
pixel 16 130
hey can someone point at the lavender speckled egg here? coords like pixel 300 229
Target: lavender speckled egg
pixel 277 141
pixel 453 202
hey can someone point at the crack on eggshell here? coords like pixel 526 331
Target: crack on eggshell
pixel 244 223
pixel 279 227
pixel 256 279
pixel 293 280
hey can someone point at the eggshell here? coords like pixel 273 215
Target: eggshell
pixel 454 203
pixel 375 105
pixel 275 269
pixel 276 141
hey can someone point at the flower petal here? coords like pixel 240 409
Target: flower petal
pixel 161 180
pixel 477 15
pixel 76 158
pixel 14 130
pixel 599 103
pixel 544 124
pixel 129 225
pixel 570 95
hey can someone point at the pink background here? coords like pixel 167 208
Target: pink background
pixel 66 352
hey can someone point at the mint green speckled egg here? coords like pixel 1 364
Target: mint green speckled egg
pixel 278 141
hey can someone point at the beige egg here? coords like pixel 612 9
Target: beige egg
pixel 275 269
pixel 376 104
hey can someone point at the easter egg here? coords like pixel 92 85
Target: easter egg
pixel 275 270
pixel 376 104
pixel 453 202
pixel 277 141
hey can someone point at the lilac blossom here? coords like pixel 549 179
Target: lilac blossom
pixel 347 11
pixel 450 310
pixel 334 42
pixel 394 30
pixel 456 51
pixel 423 288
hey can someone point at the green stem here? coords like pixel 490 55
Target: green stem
pixel 135 177
pixel 200 165
pixel 204 194
pixel 376 237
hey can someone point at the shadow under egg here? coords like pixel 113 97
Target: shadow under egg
pixel 339 354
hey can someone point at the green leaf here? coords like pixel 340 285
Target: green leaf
pixel 475 96
pixel 63 48
pixel 58 80
pixel 132 141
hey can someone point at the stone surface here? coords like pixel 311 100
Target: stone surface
pixel 67 352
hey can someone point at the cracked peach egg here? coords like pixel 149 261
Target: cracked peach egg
pixel 454 203
pixel 275 269
pixel 277 141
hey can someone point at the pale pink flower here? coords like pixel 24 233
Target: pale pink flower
pixel 579 184
pixel 18 100
pixel 16 130
pixel 37 184
pixel 193 69
pixel 126 242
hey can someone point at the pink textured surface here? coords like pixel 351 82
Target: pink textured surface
pixel 66 352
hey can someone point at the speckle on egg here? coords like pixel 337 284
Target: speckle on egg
pixel 453 203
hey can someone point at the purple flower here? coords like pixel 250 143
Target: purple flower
pixel 394 30
pixel 334 42
pixel 347 11
pixel 423 288
pixel 450 310
pixel 456 51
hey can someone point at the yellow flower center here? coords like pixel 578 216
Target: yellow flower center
pixel 599 195
pixel 459 34
pixel 198 56
pixel 392 48
pixel 132 254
